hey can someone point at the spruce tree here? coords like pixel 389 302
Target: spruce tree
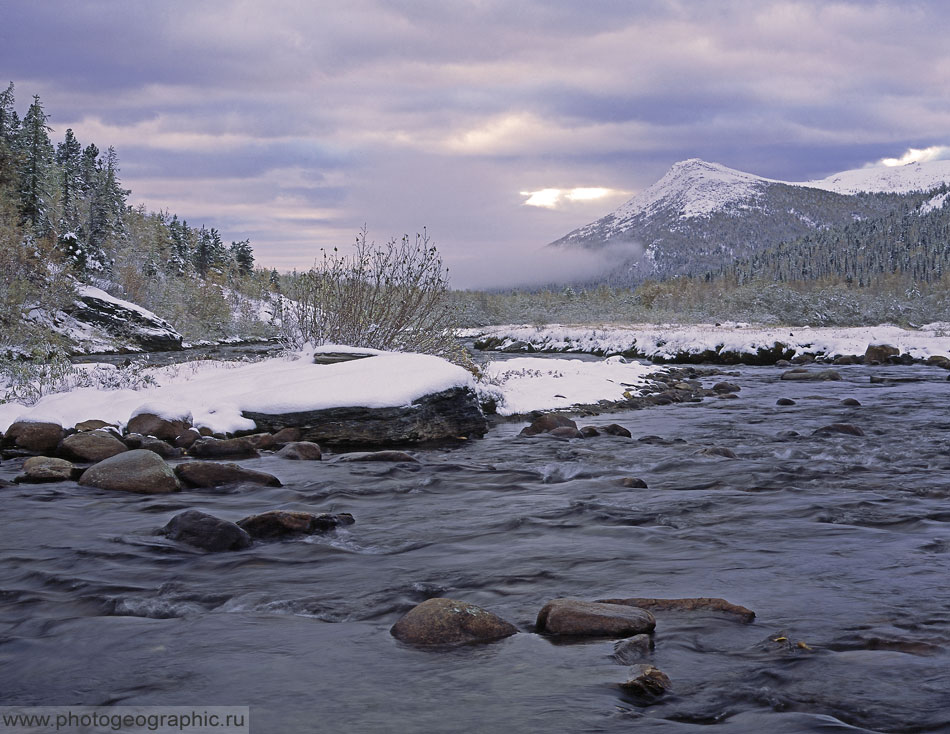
pixel 243 256
pixel 35 166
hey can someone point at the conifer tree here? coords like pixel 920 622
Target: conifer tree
pixel 36 161
pixel 243 256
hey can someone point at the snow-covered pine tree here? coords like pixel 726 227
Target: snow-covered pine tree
pixel 35 167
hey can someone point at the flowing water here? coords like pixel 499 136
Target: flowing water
pixel 840 543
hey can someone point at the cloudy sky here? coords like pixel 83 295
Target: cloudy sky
pixel 499 125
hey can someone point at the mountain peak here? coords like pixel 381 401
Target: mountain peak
pixel 694 188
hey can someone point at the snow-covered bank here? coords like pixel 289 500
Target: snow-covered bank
pixel 677 342
pixel 525 384
pixel 216 393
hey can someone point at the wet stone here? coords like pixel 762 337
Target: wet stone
pixel 645 681
pixel 633 483
pixel 217 474
pixel 615 429
pixel 300 451
pixel 547 423
pixel 205 531
pixel 785 401
pixel 90 446
pixel 285 523
pixel 39 469
pixel 450 622
pixel 593 619
pixel 137 470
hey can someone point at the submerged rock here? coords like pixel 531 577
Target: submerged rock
pixel 718 451
pixel 216 474
pixel 846 429
pixel 205 531
pixel 449 414
pixel 39 469
pixel 633 483
pixel 301 451
pixel 726 387
pixel 801 374
pixel 565 432
pixel 851 403
pixel 137 470
pixel 785 401
pixel 633 649
pixel 90 446
pixel 646 681
pixel 689 604
pixel 285 523
pixel 593 619
pixel 376 456
pixel 449 622
pixel 615 429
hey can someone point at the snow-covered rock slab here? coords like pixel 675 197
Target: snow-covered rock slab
pixel 99 323
pixel 433 398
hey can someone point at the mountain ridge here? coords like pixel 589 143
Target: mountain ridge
pixel 700 215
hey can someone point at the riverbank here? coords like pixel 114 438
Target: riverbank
pixel 725 343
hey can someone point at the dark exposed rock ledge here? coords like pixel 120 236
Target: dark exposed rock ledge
pixel 446 415
pixel 138 329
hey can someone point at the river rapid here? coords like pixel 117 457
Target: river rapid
pixel 840 543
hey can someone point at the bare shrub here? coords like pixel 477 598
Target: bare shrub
pixel 393 298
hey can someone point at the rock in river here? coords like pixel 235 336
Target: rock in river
pixel 149 424
pixel 301 451
pixel 646 681
pixel 547 423
pixel 215 474
pixel 206 531
pixel 285 523
pixel 90 446
pixel 633 649
pixel 689 604
pixel 38 469
pixel 34 436
pixel 801 374
pixel 222 448
pixel 449 414
pixel 450 622
pixel 846 429
pixel 593 619
pixel 138 470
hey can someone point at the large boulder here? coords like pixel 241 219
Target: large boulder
pixel 35 436
pixel 208 447
pixel 150 424
pixel 205 531
pixel 285 523
pixel 130 325
pixel 38 469
pixel 593 619
pixel 215 474
pixel 138 470
pixel 450 622
pixel 449 414
pixel 90 446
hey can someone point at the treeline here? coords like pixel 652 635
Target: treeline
pixel 65 219
pixel 910 245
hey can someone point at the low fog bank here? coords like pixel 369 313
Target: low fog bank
pixel 544 266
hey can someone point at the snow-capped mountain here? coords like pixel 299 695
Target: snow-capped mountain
pixel 701 215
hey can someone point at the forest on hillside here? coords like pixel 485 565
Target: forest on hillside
pixel 65 220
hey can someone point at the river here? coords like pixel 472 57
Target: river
pixel 839 543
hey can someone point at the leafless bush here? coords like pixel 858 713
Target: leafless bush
pixel 393 297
